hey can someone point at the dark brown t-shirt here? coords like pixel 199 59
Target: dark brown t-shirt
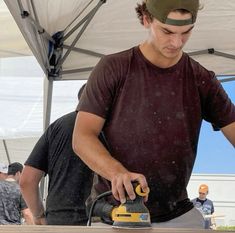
pixel 153 119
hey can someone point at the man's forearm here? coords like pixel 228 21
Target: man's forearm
pixel 33 201
pixel 29 182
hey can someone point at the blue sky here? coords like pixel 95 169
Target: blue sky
pixel 215 154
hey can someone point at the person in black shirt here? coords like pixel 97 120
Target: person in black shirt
pixel 70 179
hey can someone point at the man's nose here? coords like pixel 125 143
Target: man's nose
pixel 176 41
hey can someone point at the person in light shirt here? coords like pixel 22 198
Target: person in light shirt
pixel 205 206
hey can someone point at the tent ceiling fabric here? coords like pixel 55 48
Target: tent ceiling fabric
pixel 115 27
pixel 12 43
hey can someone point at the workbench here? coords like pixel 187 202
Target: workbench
pixel 79 229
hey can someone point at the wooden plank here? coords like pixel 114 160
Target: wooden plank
pixel 79 229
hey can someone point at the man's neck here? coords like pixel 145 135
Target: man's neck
pixel 10 178
pixel 201 199
pixel 157 58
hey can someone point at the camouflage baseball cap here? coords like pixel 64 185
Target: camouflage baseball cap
pixel 161 8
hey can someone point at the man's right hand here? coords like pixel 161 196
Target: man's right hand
pixel 122 184
pixel 40 221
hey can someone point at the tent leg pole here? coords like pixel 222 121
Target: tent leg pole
pixel 48 89
pixel 6 150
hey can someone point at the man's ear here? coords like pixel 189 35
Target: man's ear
pixel 146 21
pixel 18 174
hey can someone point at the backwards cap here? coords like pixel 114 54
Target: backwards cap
pixel 161 8
pixel 203 188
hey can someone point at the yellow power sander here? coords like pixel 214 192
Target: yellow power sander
pixel 131 214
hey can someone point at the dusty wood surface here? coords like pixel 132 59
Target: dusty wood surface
pixel 77 229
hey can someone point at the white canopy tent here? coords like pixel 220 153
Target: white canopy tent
pixel 69 37
pixel 12 43
pixel 86 30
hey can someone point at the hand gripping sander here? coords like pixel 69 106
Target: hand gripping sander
pixel 131 214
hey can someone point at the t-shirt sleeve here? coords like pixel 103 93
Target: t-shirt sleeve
pixel 218 108
pixel 212 208
pixel 23 204
pixel 38 158
pixel 99 93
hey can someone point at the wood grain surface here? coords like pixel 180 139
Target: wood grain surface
pixel 78 229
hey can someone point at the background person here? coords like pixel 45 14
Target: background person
pixel 150 101
pixel 12 204
pixel 14 172
pixel 70 179
pixel 205 206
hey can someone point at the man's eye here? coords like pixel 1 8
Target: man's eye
pixel 166 32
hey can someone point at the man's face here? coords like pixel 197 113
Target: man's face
pixel 168 40
pixel 17 176
pixel 202 195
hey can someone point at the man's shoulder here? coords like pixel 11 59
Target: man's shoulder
pixel 66 117
pixel 9 187
pixel 121 56
pixel 69 117
pixel 198 67
pixel 122 53
pixel 209 201
pixel 65 120
pixel 8 183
